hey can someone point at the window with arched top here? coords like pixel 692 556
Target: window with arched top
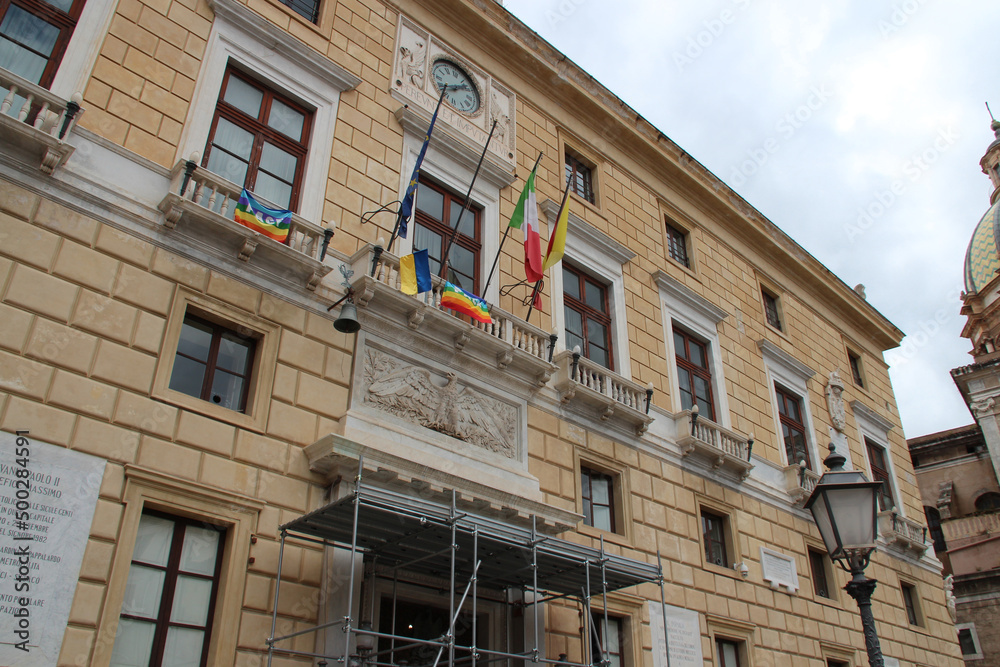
pixel 988 502
pixel 934 526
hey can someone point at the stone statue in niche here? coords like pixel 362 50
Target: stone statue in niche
pixel 412 61
pixel 413 394
pixel 835 401
pixel 949 596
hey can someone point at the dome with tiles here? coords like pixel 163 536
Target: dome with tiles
pixel 982 259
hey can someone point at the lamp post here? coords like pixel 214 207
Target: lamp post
pixel 843 505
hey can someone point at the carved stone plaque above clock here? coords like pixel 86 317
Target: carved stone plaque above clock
pixel 423 64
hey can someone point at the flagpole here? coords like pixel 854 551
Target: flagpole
pixel 506 232
pixel 399 216
pixel 534 292
pixel 468 197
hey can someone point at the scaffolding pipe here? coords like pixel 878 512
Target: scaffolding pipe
pixel 663 609
pixel 604 599
pixel 475 595
pixel 274 612
pixel 354 551
pixel 534 583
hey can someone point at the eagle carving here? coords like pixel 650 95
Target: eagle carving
pixel 413 394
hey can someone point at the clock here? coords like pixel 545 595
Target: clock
pixel 462 93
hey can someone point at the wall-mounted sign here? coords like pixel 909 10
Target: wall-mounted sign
pixel 683 632
pixel 47 499
pixel 779 570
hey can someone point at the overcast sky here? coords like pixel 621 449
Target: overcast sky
pixel 856 127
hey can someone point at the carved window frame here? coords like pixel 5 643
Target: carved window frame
pixel 621 494
pixel 732 630
pixel 237 514
pixel 731 535
pixel 286 66
pixel 793 377
pixel 974 636
pixel 695 314
pixel 258 401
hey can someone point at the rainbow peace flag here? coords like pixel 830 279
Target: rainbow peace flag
pixel 458 299
pixel 272 223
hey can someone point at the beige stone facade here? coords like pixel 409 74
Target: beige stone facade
pixel 101 260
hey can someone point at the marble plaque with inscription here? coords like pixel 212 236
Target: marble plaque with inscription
pixel 683 633
pixel 779 570
pixel 47 499
pixel 890 662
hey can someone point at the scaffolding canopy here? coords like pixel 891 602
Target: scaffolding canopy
pixel 415 535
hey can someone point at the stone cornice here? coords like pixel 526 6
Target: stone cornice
pixel 777 356
pixel 674 289
pixel 588 233
pixel 267 35
pixel 864 412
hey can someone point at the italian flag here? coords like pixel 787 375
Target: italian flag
pixel 526 213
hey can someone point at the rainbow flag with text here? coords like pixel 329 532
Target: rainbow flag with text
pixel 272 223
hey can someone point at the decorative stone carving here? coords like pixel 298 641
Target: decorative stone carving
pixel 835 401
pixel 412 59
pixel 412 393
pixel 983 406
pixel 416 52
pixel 949 597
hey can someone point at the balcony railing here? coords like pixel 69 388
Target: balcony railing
pixel 604 393
pixel 201 204
pixel 902 531
pixel 718 446
pixel 35 122
pixel 800 482
pixel 509 342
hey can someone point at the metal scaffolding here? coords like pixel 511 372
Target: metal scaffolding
pixel 396 533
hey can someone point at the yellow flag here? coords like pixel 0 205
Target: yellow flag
pixel 557 240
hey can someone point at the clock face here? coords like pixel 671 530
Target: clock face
pixel 462 94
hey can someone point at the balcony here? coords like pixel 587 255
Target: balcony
pixel 34 123
pixel 200 206
pixel 800 482
pixel 904 532
pixel 602 394
pixel 508 344
pixel 713 444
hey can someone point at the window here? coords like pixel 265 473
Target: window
pixel 437 214
pixel 910 603
pixel 771 313
pixel 597 492
pixel 728 652
pixel 34 35
pixel 833 662
pixel 259 140
pixel 713 531
pixel 793 430
pixel 988 502
pixel 855 361
pixel 677 245
pixel 818 568
pixel 933 517
pixel 880 473
pixel 211 349
pixel 580 177
pixel 307 9
pixel 213 363
pixel 968 641
pixel 611 636
pixel 693 374
pixel 170 594
pixel 588 316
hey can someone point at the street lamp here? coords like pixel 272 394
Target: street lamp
pixel 843 504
